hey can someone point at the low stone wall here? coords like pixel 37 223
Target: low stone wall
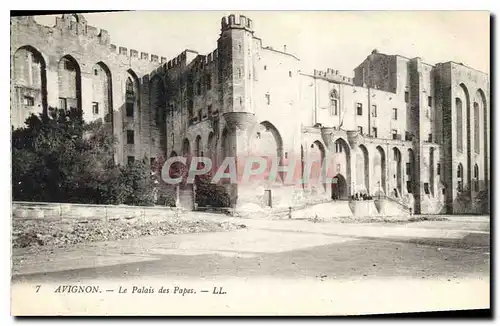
pixel 363 208
pixel 58 211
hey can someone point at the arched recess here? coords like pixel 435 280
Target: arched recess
pixel 460 178
pixel 227 144
pixel 197 147
pixel 186 148
pixel 459 136
pixel 484 117
pixel 211 147
pixel 158 101
pixel 476 178
pixel 379 172
pixel 29 83
pixel 476 123
pixel 132 95
pixel 342 161
pixel 157 114
pixel 314 161
pixel 362 170
pixel 266 142
pixel 468 133
pixel 340 188
pixel 431 170
pixel 102 92
pixel 410 172
pixel 396 188
pixel 173 154
pixel 70 83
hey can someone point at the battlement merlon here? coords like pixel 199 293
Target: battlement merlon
pixel 237 22
pixel 333 75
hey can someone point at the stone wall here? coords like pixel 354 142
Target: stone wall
pixel 101 212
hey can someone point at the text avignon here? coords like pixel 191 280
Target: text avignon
pixel 76 289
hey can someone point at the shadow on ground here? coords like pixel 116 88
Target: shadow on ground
pixel 357 259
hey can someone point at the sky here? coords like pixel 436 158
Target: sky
pixel 320 39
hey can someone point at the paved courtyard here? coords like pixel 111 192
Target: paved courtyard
pixel 336 267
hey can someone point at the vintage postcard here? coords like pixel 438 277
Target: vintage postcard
pixel 250 163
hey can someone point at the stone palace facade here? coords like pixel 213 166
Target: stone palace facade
pixel 413 133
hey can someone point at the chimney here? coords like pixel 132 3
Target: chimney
pixel 284 48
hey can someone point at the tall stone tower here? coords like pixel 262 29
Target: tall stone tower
pixel 235 47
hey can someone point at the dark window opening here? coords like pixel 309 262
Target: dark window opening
pixel 374 110
pixel 359 109
pixel 68 65
pixel 95 108
pixel 395 114
pixel 29 101
pixel 408 187
pixel 426 188
pixel 360 130
pixel 130 109
pixel 429 101
pixel 268 99
pixel 335 107
pixel 63 103
pixel 407 97
pixel 130 137
pixel 374 132
pixel 438 168
pixel 130 159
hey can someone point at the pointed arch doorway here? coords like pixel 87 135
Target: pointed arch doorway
pixel 339 187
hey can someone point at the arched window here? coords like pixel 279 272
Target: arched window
pixel 334 102
pixel 130 97
pixel 476 128
pixel 459 125
pixel 198 146
pixel 460 173
pixel 476 178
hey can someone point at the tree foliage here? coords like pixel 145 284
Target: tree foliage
pixel 210 194
pixel 58 157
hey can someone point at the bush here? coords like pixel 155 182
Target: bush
pixel 210 194
pixel 58 157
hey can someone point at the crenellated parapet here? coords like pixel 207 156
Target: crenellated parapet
pixel 236 21
pixel 76 24
pixel 333 75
